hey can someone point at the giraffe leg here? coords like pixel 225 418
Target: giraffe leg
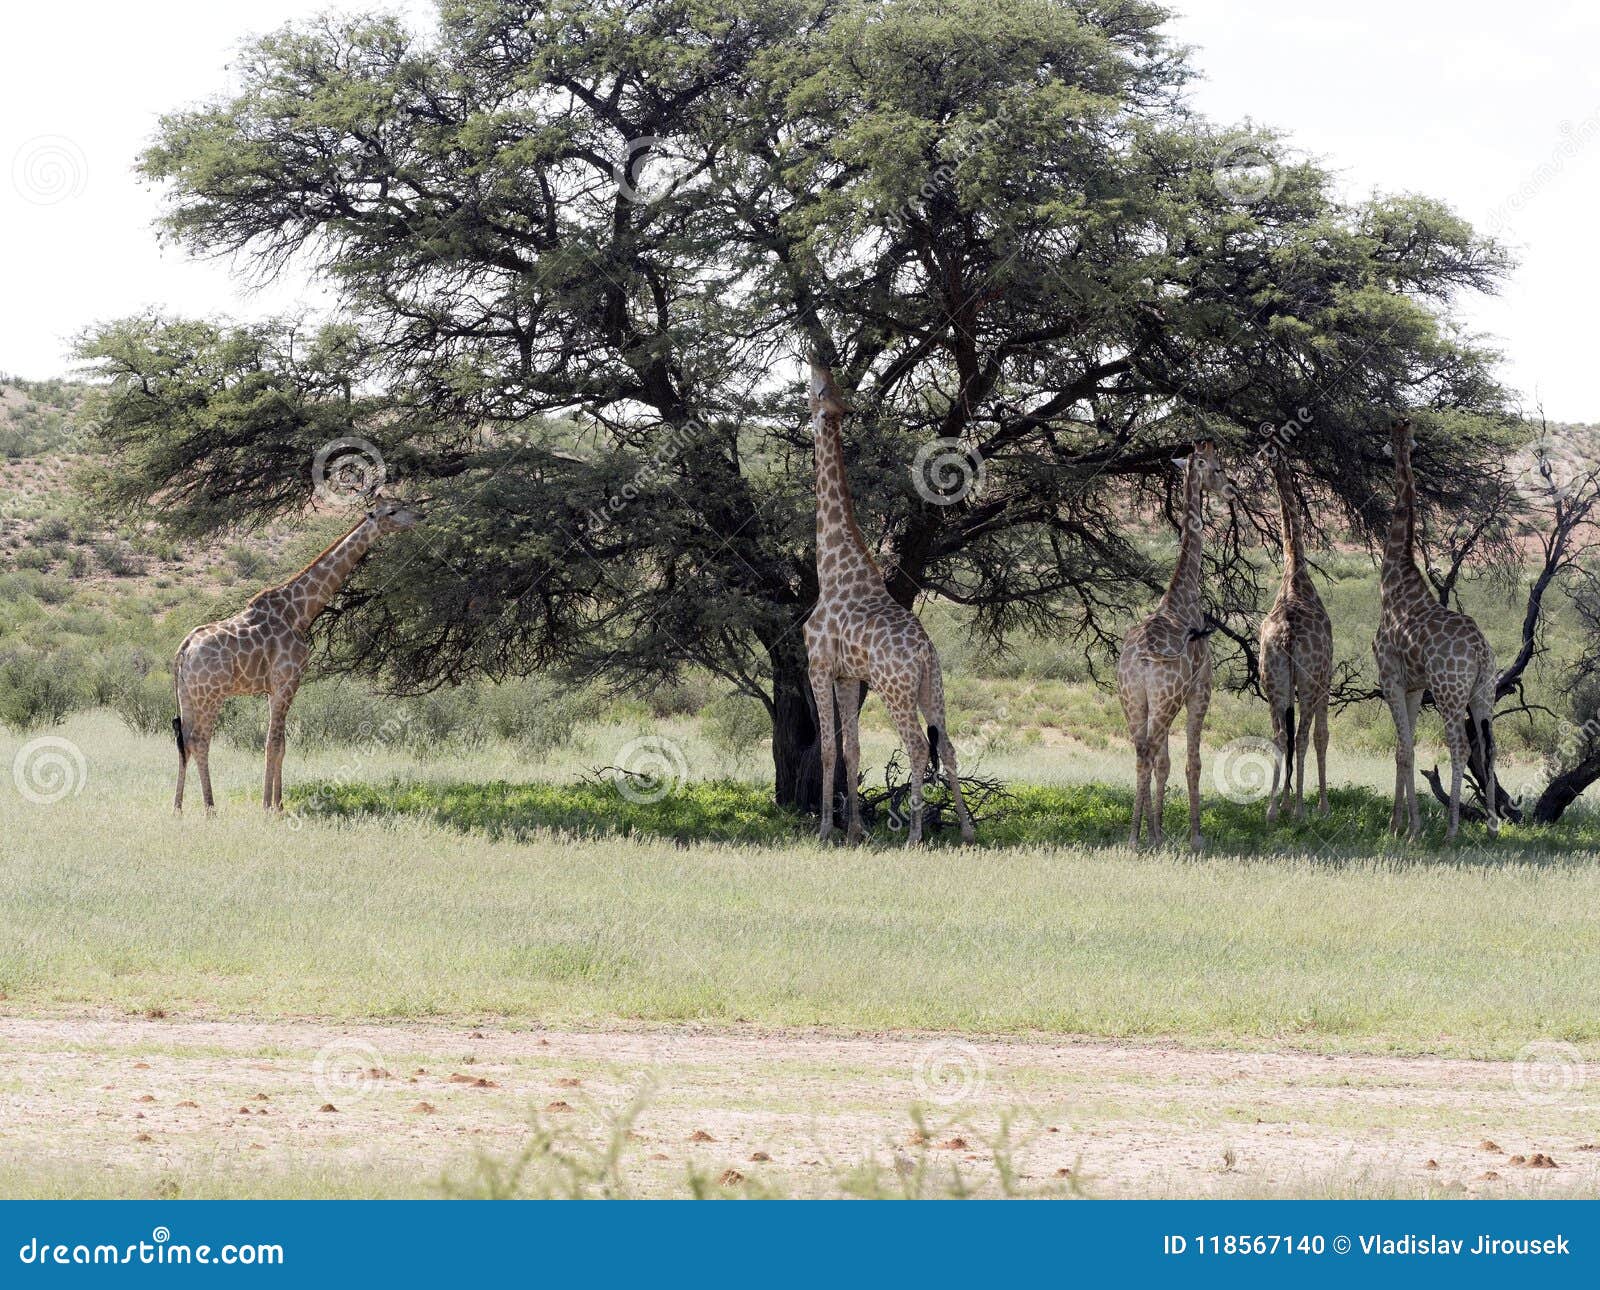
pixel 183 762
pixel 903 709
pixel 1280 761
pixel 932 699
pixel 1400 711
pixel 848 694
pixel 1136 708
pixel 1413 708
pixel 822 692
pixel 1302 740
pixel 277 739
pixel 1455 738
pixel 1161 764
pixel 1321 739
pixel 1199 705
pixel 200 750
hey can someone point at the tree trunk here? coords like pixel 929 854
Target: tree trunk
pixel 1565 789
pixel 796 765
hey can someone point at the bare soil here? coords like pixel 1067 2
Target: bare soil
pixel 131 1100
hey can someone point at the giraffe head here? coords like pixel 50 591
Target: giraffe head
pixel 823 395
pixel 1205 461
pixel 1400 437
pixel 392 517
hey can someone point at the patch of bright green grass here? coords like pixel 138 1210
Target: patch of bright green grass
pixel 1032 815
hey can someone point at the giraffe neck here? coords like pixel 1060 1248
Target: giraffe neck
pixel 1294 551
pixel 1183 592
pixel 311 590
pixel 1400 572
pixel 842 556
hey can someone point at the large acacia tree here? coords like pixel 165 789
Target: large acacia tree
pixel 578 247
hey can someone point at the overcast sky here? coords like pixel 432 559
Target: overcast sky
pixel 1494 109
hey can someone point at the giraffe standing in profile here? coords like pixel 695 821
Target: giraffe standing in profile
pixel 263 650
pixel 1424 647
pixel 859 633
pixel 1296 661
pixel 1165 664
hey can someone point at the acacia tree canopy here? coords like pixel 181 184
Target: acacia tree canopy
pixel 579 246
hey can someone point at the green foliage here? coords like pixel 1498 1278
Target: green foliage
pixel 735 724
pixel 1081 815
pixel 38 689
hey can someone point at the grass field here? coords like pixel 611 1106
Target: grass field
pixel 229 952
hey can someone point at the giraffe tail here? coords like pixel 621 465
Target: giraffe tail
pixel 933 748
pixel 177 701
pixel 1288 748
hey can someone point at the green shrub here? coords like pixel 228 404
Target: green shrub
pixel 37 689
pixel 735 724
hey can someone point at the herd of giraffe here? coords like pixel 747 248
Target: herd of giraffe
pixel 858 635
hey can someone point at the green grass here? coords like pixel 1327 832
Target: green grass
pixel 1068 815
pixel 1474 951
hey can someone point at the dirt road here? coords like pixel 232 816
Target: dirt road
pixel 93 1104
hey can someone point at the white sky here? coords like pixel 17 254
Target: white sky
pixel 1494 110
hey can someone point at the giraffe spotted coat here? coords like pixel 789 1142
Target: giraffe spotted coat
pixel 263 650
pixel 859 633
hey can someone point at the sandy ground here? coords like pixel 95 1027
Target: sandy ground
pixel 134 1103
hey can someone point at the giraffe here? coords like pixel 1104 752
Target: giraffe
pixel 1296 661
pixel 858 632
pixel 263 650
pixel 1423 646
pixel 1165 662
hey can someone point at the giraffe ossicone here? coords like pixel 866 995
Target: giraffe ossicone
pixel 263 650
pixel 858 633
